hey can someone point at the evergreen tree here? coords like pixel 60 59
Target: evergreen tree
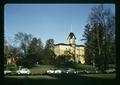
pixel 99 36
pixel 48 53
pixel 35 50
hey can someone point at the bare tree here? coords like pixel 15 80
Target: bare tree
pixel 24 40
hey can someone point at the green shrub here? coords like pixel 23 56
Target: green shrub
pixel 12 68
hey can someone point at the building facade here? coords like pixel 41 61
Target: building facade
pixel 76 51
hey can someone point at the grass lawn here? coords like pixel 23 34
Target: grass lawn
pixel 40 69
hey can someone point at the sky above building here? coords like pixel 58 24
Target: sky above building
pixel 46 21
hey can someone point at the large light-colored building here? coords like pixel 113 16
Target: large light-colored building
pixel 77 51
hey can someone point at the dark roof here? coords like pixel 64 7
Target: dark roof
pixel 62 44
pixel 71 35
pixel 68 45
pixel 80 45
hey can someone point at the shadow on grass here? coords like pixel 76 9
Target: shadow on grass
pixel 61 80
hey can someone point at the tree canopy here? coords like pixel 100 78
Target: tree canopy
pixel 99 36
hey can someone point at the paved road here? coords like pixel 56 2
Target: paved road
pixel 63 76
pixel 66 79
pixel 30 77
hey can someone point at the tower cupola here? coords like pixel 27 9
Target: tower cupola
pixel 71 38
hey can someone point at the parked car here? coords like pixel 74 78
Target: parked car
pixel 7 72
pixel 80 71
pixel 54 71
pixel 91 71
pixel 58 71
pixel 50 71
pixel 70 70
pixel 112 70
pixel 23 71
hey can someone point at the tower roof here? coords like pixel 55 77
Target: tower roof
pixel 71 35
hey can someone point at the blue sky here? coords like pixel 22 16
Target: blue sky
pixel 47 20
